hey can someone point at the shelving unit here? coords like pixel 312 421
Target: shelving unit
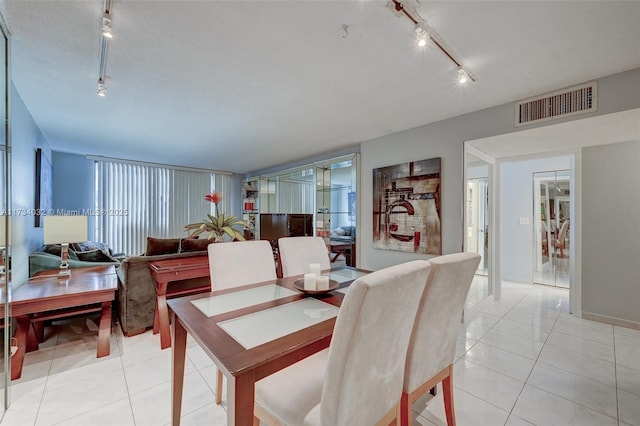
pixel 250 208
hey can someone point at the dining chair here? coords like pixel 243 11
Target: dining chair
pixel 558 243
pixel 433 341
pixel 358 379
pixel 296 253
pixel 234 264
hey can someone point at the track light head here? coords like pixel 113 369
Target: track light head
pixel 422 35
pixel 463 76
pixel 106 25
pixel 102 91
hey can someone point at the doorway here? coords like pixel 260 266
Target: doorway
pixel 477 225
pixel 552 212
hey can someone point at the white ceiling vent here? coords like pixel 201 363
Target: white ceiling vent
pixel 563 103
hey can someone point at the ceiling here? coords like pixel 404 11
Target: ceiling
pixel 247 85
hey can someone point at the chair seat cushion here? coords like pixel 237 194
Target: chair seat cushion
pixel 302 383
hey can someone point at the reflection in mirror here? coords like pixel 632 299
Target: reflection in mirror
pixel 552 210
pixel 5 282
pixel 477 225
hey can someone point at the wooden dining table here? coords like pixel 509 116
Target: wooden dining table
pixel 253 331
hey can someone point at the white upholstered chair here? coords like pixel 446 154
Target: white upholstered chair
pixel 234 264
pixel 558 243
pixel 358 380
pixel 433 341
pixel 296 253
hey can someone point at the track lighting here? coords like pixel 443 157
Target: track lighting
pixel 424 34
pixel 106 25
pixel 106 35
pixel 102 91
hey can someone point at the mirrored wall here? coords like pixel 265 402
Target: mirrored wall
pixel 476 225
pixel 551 211
pixel 5 263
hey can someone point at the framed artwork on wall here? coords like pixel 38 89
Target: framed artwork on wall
pixel 406 207
pixel 44 187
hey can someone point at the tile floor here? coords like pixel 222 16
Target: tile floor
pixel 521 361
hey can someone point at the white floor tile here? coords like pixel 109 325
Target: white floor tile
pixel 517 421
pixel 579 363
pixel 198 357
pixel 628 379
pixel 629 405
pixel 543 408
pixel 512 343
pixel 581 390
pixel 211 414
pixel 469 410
pixel 152 407
pixel 486 384
pixel 583 346
pixel 152 373
pixel 522 329
pixel 117 413
pixel 507 363
pixel 81 397
pixel 585 329
pixel 473 331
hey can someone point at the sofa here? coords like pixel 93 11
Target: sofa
pixel 81 255
pixel 136 287
pixel 344 234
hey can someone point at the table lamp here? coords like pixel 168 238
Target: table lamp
pixel 63 230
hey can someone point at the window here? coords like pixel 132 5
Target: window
pixel 137 200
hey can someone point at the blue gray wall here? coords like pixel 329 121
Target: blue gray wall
pixel 25 138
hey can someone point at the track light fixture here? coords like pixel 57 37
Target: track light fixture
pixel 102 91
pixel 106 25
pixel 106 35
pixel 424 33
pixel 463 76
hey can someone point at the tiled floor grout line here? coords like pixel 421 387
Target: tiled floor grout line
pixel 532 368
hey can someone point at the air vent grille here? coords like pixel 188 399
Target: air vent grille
pixel 575 100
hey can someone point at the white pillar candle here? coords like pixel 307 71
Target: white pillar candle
pixel 314 268
pixel 310 281
pixel 322 283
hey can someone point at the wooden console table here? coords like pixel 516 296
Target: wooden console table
pixel 167 271
pixel 47 297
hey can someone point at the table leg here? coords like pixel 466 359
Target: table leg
pixel 178 354
pixel 161 318
pixel 240 399
pixel 104 333
pixel 23 323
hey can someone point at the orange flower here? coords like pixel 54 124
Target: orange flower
pixel 214 197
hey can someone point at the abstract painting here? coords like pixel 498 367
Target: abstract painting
pixel 406 207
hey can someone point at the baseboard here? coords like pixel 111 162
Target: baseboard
pixel 611 320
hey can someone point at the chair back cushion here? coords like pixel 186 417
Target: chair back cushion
pixel 296 253
pixel 368 349
pixel 433 341
pixel 237 263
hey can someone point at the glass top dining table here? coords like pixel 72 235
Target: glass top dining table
pixel 253 331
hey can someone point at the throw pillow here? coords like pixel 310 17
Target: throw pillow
pixel 157 246
pixel 94 256
pixel 191 244
pixel 340 232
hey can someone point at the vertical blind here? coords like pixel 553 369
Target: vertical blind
pixel 135 201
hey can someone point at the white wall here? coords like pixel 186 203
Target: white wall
pixel 443 139
pixel 611 231
pixel 517 202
